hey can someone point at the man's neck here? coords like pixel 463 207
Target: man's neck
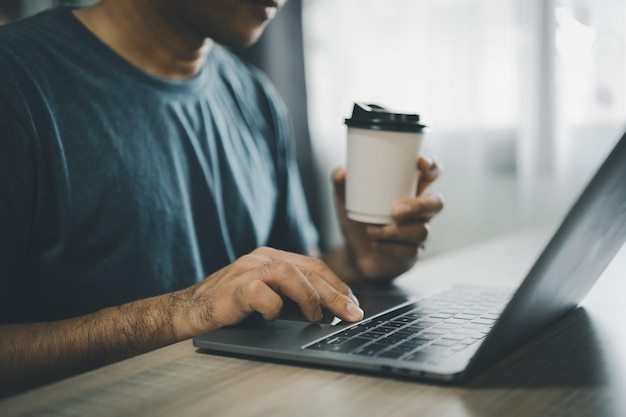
pixel 143 37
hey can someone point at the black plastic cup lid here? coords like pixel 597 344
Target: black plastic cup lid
pixel 373 116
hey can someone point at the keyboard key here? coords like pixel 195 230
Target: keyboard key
pixel 465 316
pixel 404 319
pixel 437 330
pixel 371 350
pixel 336 340
pixel 446 326
pixel 475 326
pixel 350 345
pixel 445 342
pixel 415 343
pixel 416 328
pixel 394 338
pixel 372 335
pixel 457 321
pixel 427 336
pixel 394 324
pixel 350 332
pixel 441 315
pixel 455 336
pixel 405 333
pixel 403 348
pixel 431 320
pixel 385 329
pixel 484 321
pixel 461 330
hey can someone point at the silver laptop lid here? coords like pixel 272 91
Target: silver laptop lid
pixel 589 237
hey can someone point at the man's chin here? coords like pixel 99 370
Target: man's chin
pixel 240 41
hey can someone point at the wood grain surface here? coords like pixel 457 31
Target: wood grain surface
pixel 577 367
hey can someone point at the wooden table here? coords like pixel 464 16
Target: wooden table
pixel 575 368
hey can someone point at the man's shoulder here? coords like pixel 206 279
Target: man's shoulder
pixel 13 37
pixel 26 42
pixel 32 27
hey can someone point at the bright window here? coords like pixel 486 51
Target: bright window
pixel 524 97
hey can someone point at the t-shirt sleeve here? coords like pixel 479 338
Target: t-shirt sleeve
pixel 17 192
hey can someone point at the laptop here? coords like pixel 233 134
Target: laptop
pixel 454 334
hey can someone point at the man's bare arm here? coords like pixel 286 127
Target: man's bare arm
pixel 35 354
pixel 39 353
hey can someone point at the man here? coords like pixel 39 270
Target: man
pixel 137 157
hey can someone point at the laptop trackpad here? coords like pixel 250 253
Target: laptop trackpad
pixel 292 329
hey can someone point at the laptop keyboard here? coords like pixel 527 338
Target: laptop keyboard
pixel 434 329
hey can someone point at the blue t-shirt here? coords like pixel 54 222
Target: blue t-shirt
pixel 117 185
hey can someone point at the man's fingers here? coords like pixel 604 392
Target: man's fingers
pixel 306 263
pixel 339 184
pixel 397 250
pixel 311 291
pixel 307 281
pixel 285 278
pixel 257 296
pixel 411 234
pixel 422 208
pixel 429 171
pixel 337 303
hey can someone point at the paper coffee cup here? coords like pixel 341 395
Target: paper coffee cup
pixel 383 148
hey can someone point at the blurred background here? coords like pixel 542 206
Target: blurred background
pixel 524 98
